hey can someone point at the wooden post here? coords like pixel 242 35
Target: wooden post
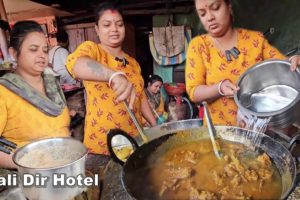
pixel 2 11
pixel 3 39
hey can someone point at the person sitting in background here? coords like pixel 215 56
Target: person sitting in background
pixel 155 98
pixel 216 60
pixel 58 57
pixel 32 103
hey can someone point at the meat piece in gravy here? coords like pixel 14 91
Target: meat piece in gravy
pixel 265 174
pixel 236 181
pixel 217 178
pixel 175 175
pixel 202 195
pixel 251 175
pixel 265 160
pixel 180 172
pixel 191 157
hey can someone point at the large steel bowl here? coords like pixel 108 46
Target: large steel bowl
pixel 270 89
pixel 72 169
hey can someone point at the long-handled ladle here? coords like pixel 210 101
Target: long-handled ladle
pixel 136 123
pixel 212 131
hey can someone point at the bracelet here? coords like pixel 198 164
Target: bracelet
pixel 113 76
pixel 219 88
pixel 290 58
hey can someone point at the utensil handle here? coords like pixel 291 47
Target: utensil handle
pixel 110 135
pixel 8 143
pixel 136 123
pixel 211 130
pixel 3 149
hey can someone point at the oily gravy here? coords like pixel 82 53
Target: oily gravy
pixel 191 171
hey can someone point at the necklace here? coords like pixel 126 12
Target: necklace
pixel 123 60
pixel 234 51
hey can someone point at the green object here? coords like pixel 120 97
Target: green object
pixel 163 118
pixel 160 120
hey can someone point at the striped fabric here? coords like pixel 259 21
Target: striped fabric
pixel 174 60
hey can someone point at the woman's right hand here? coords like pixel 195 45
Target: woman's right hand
pixel 227 88
pixel 123 89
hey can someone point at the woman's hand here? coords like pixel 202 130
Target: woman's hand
pixel 295 61
pixel 6 161
pixel 227 88
pixel 123 89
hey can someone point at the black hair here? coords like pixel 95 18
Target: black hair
pixel 102 7
pixel 4 25
pixel 62 36
pixel 154 78
pixel 20 30
pixel 228 2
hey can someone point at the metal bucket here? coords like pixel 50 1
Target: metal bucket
pixel 72 169
pixel 270 89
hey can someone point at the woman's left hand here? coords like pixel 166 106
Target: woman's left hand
pixel 295 61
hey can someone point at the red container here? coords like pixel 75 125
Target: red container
pixel 175 89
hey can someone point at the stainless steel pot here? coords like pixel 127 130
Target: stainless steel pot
pixel 165 136
pixel 73 169
pixel 270 89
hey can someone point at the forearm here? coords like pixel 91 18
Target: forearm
pixel 88 69
pixel 206 93
pixel 6 161
pixel 147 112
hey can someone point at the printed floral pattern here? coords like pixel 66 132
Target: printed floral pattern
pixel 206 64
pixel 103 113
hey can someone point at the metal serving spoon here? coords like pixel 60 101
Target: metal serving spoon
pixel 212 131
pixel 136 123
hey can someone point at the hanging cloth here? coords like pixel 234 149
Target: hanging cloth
pixel 174 60
pixel 53 104
pixel 169 40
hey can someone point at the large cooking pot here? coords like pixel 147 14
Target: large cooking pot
pixel 134 183
pixel 270 89
pixel 74 168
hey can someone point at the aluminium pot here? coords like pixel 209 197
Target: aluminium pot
pixel 131 181
pixel 270 89
pixel 73 169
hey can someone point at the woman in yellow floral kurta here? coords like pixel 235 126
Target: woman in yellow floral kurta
pixel 95 64
pixel 209 74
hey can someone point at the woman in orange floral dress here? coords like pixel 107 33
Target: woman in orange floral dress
pixel 217 59
pixel 105 69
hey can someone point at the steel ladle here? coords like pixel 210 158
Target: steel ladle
pixel 212 131
pixel 136 123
